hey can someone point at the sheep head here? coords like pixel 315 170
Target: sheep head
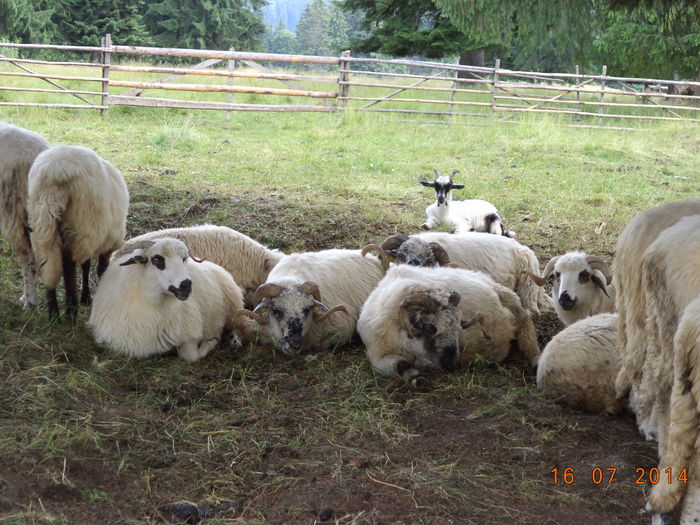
pixel 165 260
pixel 443 185
pixel 285 312
pixel 415 251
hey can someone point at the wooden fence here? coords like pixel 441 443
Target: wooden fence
pixel 445 93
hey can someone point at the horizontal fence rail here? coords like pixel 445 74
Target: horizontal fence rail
pixel 302 83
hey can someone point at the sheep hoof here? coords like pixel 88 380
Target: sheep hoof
pixel 417 382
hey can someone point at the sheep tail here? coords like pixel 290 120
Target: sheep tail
pixel 526 336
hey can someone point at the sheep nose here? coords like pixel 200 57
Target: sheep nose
pixel 183 291
pixel 566 302
pixel 413 261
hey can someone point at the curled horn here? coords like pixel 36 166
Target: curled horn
pixel 548 270
pixel 440 254
pixel 267 290
pixel 422 300
pixel 478 317
pixel 599 264
pixel 380 252
pixel 253 315
pixel 311 289
pixel 196 259
pixel 324 315
pixel 394 241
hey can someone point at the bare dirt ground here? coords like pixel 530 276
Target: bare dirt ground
pixel 247 436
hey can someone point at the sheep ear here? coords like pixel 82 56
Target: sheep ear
pixel 428 183
pixel 136 259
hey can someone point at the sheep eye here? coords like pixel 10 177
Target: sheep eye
pixel 557 274
pixel 277 313
pixel 158 261
pixel 429 329
pixel 184 259
pixel 584 276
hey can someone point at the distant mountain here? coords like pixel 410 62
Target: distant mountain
pixel 288 11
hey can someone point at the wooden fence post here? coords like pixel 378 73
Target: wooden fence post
pixel 601 108
pixel 231 66
pixel 578 93
pixel 496 67
pixel 343 88
pixel 452 98
pixel 106 61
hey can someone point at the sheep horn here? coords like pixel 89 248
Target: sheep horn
pixel 599 264
pixel 267 290
pixel 196 259
pixel 440 254
pixel 394 241
pixel 324 315
pixel 130 247
pixel 437 173
pixel 380 252
pixel 253 315
pixel 311 289
pixel 548 270
pixel 454 172
pixel 478 317
pixel 422 300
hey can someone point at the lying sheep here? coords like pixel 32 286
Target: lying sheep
pixel 579 365
pixel 630 286
pixel 303 290
pixel 77 207
pixel 504 259
pixel 473 215
pixel 417 320
pixel 18 149
pixel 154 299
pixel 682 454
pixel 582 286
pixel 248 261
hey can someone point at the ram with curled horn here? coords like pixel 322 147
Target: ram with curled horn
pixel 405 249
pixel 582 285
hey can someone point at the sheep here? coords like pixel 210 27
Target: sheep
pixel 77 205
pixel 582 286
pixel 682 453
pixel 18 149
pixel 504 259
pixel 248 261
pixel 579 365
pixel 416 321
pixel 292 306
pixel 154 299
pixel 462 216
pixel 640 232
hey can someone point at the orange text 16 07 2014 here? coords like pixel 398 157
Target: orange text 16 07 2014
pixel 610 475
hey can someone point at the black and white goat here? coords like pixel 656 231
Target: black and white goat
pixel 472 215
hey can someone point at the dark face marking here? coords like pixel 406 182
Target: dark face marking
pixel 448 359
pixel 295 337
pixel 158 261
pixel 584 276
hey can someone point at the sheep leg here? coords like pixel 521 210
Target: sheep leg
pixel 25 258
pixel 102 263
pixel 85 292
pixel 52 303
pixel 69 280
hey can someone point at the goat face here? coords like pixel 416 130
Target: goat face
pixel 415 251
pixel 430 325
pixel 443 185
pixel 286 313
pixel 166 260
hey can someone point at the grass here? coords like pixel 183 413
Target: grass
pixel 251 436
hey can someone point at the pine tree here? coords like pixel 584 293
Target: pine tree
pixel 282 41
pixel 27 21
pixel 313 36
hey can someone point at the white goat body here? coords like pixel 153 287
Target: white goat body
pixel 579 365
pixel 18 149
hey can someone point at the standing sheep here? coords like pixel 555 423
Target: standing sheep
pixel 630 286
pixel 293 305
pixel 418 319
pixel 248 261
pixel 77 210
pixel 154 299
pixel 579 365
pixel 504 259
pixel 18 149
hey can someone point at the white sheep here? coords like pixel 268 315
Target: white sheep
pixel 582 286
pixel 504 259
pixel 417 319
pixel 579 365
pixel 472 215
pixel 155 299
pixel 18 149
pixel 303 290
pixel 630 286
pixel 248 261
pixel 77 206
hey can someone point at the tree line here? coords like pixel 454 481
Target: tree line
pixel 641 38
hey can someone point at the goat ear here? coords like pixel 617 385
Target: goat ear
pixel 428 183
pixel 457 186
pixel 136 259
